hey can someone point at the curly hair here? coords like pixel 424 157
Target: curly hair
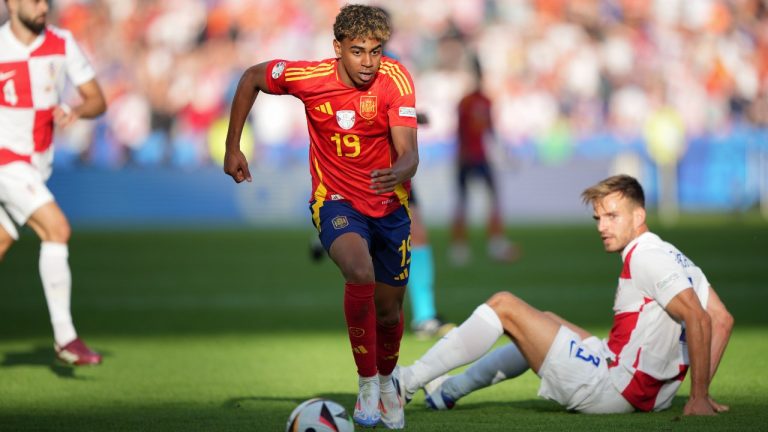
pixel 628 186
pixel 361 21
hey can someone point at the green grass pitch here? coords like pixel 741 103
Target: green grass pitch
pixel 228 330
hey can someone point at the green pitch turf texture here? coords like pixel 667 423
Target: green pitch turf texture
pixel 229 330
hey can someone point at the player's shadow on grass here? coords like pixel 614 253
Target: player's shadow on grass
pixel 345 399
pixel 40 356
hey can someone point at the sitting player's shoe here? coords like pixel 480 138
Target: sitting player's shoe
pixel 502 250
pixel 77 353
pixel 435 397
pixel 367 412
pixel 433 327
pixel 391 404
pixel 397 380
pixel 316 250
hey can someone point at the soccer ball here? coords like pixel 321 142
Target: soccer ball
pixel 319 415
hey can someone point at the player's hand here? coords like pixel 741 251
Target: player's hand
pixel 63 116
pixel 383 180
pixel 236 166
pixel 699 406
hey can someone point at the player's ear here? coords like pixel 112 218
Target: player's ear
pixel 638 215
pixel 337 48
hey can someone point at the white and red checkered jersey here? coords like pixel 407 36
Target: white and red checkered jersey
pixel 32 78
pixel 649 353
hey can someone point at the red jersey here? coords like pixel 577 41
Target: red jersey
pixel 349 128
pixel 474 123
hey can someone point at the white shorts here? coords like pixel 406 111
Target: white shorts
pixel 575 375
pixel 22 192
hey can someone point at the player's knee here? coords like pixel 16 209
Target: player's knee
pixel 61 232
pixel 359 274
pixel 388 317
pixel 5 244
pixel 503 301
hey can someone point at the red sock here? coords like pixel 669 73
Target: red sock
pixel 388 346
pixel 360 311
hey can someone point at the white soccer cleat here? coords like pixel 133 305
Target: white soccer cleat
pixel 391 405
pixel 367 412
pixel 402 391
pixel 435 397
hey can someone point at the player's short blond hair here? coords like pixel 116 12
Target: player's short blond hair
pixel 626 185
pixel 360 22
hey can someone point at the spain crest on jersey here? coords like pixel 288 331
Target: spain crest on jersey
pixel 345 119
pixel 368 107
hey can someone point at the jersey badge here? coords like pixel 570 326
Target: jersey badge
pixel 407 112
pixel 278 69
pixel 368 107
pixel 345 119
pixel 340 222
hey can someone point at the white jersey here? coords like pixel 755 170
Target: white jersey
pixel 32 78
pixel 649 355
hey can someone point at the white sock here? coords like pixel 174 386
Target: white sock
pixel 57 285
pixel 462 345
pixel 498 365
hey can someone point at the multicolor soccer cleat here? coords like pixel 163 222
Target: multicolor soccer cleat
pixel 77 353
pixel 367 412
pixel 391 405
pixel 435 397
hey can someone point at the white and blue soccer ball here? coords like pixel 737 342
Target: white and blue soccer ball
pixel 319 415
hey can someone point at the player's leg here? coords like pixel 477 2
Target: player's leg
pixel 8 233
pixel 391 261
pixel 350 253
pixel 722 326
pixel 344 234
pixel 389 333
pixel 531 329
pixel 462 345
pixel 499 247
pixel 28 201
pixel 460 252
pixel 501 364
pixel 52 227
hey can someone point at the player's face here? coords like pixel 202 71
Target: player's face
pixel 359 60
pixel 32 14
pixel 619 221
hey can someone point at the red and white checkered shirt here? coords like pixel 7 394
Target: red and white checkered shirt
pixel 32 78
pixel 649 352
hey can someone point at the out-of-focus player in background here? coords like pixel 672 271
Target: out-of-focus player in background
pixel 36 59
pixel 667 319
pixel 361 116
pixel 475 126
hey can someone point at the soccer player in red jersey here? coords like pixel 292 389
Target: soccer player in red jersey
pixel 35 61
pixel 361 116
pixel 474 126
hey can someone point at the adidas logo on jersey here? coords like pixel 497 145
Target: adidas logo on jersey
pixel 325 108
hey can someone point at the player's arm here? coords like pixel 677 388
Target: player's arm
pixel 93 105
pixel 722 326
pixel 686 307
pixel 251 83
pixel 386 179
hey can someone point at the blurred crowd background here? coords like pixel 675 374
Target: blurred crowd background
pixel 665 81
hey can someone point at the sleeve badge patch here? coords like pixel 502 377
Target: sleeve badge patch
pixel 278 69
pixel 407 112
